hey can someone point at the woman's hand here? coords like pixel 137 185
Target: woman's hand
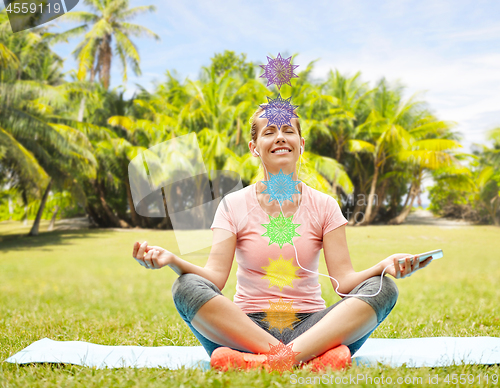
pixel 402 270
pixel 151 257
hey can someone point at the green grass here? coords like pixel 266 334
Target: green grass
pixel 84 285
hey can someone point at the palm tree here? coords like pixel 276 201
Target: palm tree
pixel 95 52
pixel 108 21
pixel 421 156
pixel 351 97
pixel 401 131
pixel 488 177
pixel 40 152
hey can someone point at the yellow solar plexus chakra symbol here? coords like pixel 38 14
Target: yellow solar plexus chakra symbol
pixel 281 272
pixel 281 315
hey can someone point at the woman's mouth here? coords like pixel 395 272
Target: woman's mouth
pixel 281 151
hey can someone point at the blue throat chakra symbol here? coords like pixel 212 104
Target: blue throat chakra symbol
pixel 281 187
pixel 279 71
pixel 279 111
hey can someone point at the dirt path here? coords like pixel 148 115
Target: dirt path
pixel 425 217
pixel 72 223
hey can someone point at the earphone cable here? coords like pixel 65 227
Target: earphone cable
pixel 297 256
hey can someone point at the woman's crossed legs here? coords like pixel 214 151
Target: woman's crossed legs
pixel 216 321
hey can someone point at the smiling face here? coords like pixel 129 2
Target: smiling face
pixel 278 149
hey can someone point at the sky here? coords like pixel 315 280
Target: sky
pixel 446 51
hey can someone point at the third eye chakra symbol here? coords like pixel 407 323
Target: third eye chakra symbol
pixel 279 111
pixel 279 71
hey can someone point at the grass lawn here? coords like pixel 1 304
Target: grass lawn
pixel 84 285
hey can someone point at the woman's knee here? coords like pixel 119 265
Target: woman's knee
pixel 384 298
pixel 190 292
pixel 387 297
pixel 182 284
pixel 390 290
pixel 187 284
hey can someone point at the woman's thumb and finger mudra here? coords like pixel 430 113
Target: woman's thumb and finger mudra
pixel 151 257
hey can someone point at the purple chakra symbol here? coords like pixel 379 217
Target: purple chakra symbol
pixel 279 71
pixel 279 111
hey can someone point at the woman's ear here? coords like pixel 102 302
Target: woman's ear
pixel 252 147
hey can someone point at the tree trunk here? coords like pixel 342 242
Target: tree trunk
pixel 109 213
pixel 340 147
pixel 166 223
pixel 357 209
pixel 11 208
pixel 380 200
pixel 407 198
pixel 135 217
pixel 494 209
pixel 95 216
pixel 406 210
pixel 83 101
pixel 238 131
pixel 53 219
pixel 36 224
pixel 81 111
pixel 369 207
pixel 105 70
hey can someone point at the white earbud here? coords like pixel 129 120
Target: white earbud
pixel 257 153
pixel 301 149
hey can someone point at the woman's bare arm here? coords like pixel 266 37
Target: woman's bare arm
pixel 340 267
pixel 216 269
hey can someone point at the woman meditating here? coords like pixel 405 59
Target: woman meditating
pixel 276 229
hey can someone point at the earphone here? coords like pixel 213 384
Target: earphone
pixel 295 249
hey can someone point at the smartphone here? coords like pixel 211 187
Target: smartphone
pixel 436 254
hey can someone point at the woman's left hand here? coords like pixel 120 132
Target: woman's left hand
pixel 407 268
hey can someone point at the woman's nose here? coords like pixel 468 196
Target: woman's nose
pixel 280 136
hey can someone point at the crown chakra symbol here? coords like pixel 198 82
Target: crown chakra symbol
pixel 279 111
pixel 279 71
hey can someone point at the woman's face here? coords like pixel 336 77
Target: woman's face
pixel 278 147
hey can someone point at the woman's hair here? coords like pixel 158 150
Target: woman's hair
pixel 253 123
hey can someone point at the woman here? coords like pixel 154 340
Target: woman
pixel 277 237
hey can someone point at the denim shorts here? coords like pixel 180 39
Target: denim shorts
pixel 191 291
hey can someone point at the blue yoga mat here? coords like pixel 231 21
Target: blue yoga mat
pixel 413 352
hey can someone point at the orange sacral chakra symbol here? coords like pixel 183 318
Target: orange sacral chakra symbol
pixel 281 315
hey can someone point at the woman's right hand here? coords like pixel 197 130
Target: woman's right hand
pixel 151 257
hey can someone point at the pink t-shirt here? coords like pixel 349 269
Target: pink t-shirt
pixel 268 274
